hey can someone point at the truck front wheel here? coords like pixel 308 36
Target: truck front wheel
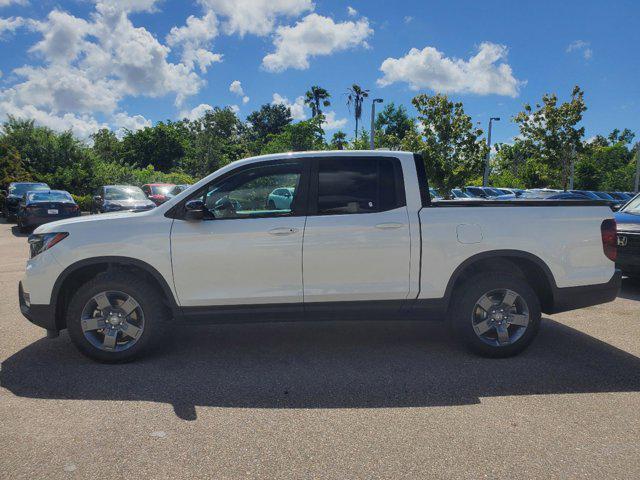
pixel 496 314
pixel 116 316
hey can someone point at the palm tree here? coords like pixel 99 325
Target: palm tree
pixel 316 96
pixel 355 97
pixel 339 140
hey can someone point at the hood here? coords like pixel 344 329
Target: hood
pixel 60 225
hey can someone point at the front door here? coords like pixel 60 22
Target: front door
pixel 247 250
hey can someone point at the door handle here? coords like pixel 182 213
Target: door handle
pixel 280 231
pixel 387 226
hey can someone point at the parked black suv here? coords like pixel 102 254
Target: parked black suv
pixel 14 195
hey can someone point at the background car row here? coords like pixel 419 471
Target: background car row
pixel 31 204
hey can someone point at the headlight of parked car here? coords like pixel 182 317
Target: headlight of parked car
pixel 40 242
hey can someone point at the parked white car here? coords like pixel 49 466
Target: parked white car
pixel 360 239
pixel 280 198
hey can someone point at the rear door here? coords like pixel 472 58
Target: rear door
pixel 356 242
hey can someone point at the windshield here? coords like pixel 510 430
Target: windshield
pixel 161 189
pixel 604 196
pixel 50 196
pixel 124 193
pixel 22 188
pixel 633 206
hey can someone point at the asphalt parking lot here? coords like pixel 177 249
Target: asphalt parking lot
pixel 332 400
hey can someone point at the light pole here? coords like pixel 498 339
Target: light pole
pixel 373 121
pixel 637 182
pixel 485 179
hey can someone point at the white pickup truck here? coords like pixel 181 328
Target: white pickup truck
pixel 318 235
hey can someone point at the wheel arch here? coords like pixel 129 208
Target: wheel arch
pixel 531 267
pixel 78 273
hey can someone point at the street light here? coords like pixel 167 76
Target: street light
pixel 373 121
pixel 485 179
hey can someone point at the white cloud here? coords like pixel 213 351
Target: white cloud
pixel 312 36
pixel 582 47
pixel 90 66
pixel 483 74
pixel 81 125
pixel 63 36
pixel 255 16
pixel 408 19
pixel 127 5
pixel 297 108
pixel 333 123
pixel 11 24
pixel 236 87
pixel 123 122
pixel 352 12
pixel 197 112
pixel 234 108
pixel 245 99
pixel 6 3
pixel 195 40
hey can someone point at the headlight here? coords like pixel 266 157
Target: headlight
pixel 41 242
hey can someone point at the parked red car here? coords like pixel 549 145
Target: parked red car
pixel 157 192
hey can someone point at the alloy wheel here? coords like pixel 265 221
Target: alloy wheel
pixel 500 317
pixel 112 321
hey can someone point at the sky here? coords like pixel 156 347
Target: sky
pixel 125 64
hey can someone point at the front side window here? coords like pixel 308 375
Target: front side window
pixel 254 192
pixel 358 185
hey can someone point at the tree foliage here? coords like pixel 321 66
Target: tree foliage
pixel 316 97
pixel 452 147
pixel 553 130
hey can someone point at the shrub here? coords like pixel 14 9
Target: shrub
pixel 83 201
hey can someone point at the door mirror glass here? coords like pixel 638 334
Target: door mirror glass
pixel 97 198
pixel 194 210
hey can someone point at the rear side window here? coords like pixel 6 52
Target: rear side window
pixel 359 185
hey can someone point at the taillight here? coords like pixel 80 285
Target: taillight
pixel 609 238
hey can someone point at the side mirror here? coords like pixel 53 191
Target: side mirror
pixel 97 198
pixel 616 207
pixel 194 210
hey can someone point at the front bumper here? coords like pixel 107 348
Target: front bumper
pixel 572 298
pixel 40 315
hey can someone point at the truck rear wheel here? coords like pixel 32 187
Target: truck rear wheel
pixel 496 314
pixel 116 316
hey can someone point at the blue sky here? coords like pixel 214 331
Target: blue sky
pixel 83 64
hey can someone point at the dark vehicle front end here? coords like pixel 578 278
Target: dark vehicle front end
pixel 15 194
pixel 39 208
pixel 628 222
pixel 119 198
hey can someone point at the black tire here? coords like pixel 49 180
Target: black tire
pixel 464 304
pixel 157 315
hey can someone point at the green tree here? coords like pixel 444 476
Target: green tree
pixel 452 148
pixel 392 124
pixel 338 140
pixel 297 137
pixel 269 120
pixel 106 145
pixel 216 139
pixel 11 167
pixel 315 97
pixel 162 146
pixel 355 98
pixel 551 128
